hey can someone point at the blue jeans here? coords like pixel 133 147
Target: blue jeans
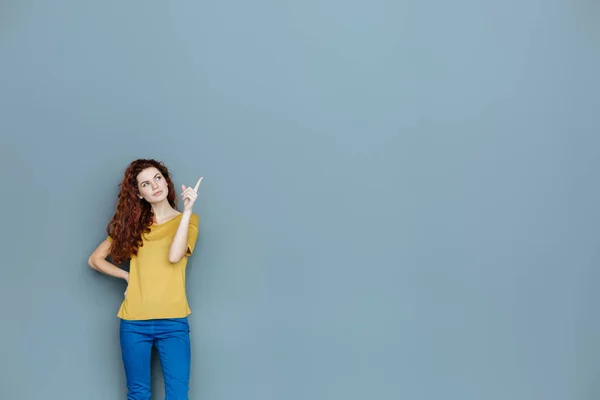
pixel 172 340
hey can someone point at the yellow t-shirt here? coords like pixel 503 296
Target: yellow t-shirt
pixel 156 286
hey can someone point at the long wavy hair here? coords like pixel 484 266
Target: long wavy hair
pixel 133 215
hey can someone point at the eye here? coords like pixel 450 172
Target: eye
pixel 159 177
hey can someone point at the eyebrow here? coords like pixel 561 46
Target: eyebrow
pixel 157 174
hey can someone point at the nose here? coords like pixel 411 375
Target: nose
pixel 154 185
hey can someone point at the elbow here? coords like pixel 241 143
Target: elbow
pixel 91 262
pixel 174 260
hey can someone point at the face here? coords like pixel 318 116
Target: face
pixel 152 185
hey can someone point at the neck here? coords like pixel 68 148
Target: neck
pixel 163 210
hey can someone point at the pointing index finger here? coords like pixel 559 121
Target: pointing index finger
pixel 198 185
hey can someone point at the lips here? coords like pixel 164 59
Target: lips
pixel 157 193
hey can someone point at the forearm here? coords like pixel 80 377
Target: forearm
pixel 180 240
pixel 101 265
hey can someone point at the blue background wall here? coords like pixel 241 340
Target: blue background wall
pixel 400 197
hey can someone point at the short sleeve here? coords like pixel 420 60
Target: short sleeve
pixel 109 239
pixel 192 234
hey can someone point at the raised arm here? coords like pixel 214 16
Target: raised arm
pixel 187 231
pixel 179 246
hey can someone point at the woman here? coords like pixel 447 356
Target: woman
pixel 148 230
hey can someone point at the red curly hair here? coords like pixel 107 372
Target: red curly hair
pixel 134 216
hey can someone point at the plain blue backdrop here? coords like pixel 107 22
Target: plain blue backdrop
pixel 400 197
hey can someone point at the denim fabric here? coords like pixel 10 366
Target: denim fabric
pixel 172 340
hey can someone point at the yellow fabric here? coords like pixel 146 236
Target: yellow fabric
pixel 156 286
